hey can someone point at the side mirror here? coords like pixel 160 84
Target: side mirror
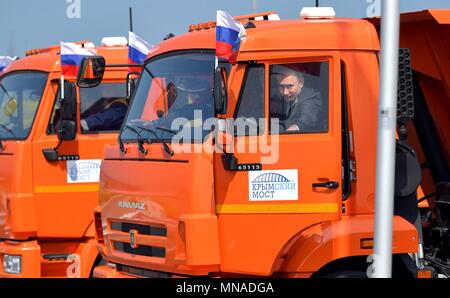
pixel 68 105
pixel 91 71
pixel 220 90
pixel 67 130
pixel 66 125
pixel 131 83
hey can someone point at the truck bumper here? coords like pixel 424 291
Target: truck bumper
pixel 50 259
pixel 30 253
pixel 109 272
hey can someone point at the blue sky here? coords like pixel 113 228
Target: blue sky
pixel 26 24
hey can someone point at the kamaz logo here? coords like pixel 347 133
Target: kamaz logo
pixel 132 205
pixel 133 234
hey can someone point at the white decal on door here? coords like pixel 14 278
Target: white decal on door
pixel 83 171
pixel 275 185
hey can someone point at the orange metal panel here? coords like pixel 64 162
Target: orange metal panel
pixel 321 244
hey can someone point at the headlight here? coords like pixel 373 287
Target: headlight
pixel 12 264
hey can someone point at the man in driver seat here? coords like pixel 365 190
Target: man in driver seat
pixel 109 119
pixel 191 94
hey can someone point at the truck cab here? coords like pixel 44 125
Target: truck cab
pixel 213 180
pixel 46 226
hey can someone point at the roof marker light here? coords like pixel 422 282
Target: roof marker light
pixel 264 16
pixel 269 17
pixel 114 42
pixel 317 13
pixel 89 45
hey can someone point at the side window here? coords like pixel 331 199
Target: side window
pixel 249 115
pixel 103 108
pixel 299 97
pixel 20 96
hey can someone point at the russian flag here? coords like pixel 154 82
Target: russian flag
pixel 229 34
pixel 138 49
pixel 71 56
pixel 4 62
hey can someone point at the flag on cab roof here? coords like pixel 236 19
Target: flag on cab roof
pixel 4 62
pixel 229 34
pixel 71 56
pixel 138 49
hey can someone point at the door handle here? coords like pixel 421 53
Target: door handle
pixel 329 185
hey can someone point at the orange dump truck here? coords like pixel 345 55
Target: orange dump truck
pixel 47 195
pixel 245 193
pixel 424 33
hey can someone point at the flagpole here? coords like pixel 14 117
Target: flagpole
pixel 216 61
pixel 62 71
pixel 62 85
pixel 131 18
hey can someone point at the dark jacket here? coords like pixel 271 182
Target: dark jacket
pixel 108 120
pixel 306 112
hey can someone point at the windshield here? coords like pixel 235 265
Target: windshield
pixel 20 95
pixel 173 99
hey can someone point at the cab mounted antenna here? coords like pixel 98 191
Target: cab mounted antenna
pixel 317 3
pixel 131 18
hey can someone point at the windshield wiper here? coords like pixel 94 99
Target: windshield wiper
pixel 174 132
pixel 165 146
pixel 139 140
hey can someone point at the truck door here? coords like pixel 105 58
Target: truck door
pixel 66 190
pixel 291 109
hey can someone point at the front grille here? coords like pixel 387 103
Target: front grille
pixel 142 250
pixel 56 257
pixel 142 229
pixel 142 272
